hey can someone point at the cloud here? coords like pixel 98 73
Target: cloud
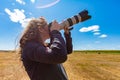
pixel 33 1
pixel 18 16
pixel 20 1
pixel 24 22
pixel 49 5
pixel 93 28
pixel 96 33
pixel 103 36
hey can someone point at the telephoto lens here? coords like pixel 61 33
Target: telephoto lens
pixel 80 17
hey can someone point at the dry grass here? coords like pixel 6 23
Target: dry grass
pixel 80 66
pixel 11 67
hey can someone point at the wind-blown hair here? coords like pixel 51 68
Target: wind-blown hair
pixel 32 33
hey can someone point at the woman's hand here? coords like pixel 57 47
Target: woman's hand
pixel 55 26
pixel 66 29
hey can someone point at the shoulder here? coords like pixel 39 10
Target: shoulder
pixel 29 48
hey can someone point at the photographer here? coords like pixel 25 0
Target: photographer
pixel 44 62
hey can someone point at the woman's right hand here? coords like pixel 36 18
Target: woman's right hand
pixel 55 26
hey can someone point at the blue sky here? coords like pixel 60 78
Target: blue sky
pixel 100 32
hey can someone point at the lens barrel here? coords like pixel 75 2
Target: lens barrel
pixel 80 17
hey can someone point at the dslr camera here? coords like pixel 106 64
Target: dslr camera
pixel 80 17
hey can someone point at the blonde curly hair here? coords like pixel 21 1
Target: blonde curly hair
pixel 32 33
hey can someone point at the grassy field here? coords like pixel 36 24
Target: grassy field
pixel 81 65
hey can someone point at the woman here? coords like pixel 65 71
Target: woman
pixel 43 62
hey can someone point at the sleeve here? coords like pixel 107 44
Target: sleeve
pixel 56 53
pixel 69 45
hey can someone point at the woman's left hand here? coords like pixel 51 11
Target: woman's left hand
pixel 66 30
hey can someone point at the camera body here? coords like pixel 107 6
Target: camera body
pixel 80 17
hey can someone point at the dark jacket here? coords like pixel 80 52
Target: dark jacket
pixel 45 64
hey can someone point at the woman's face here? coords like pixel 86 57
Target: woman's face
pixel 44 32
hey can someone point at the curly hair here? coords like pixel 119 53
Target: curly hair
pixel 32 33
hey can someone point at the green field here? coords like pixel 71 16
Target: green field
pixel 81 65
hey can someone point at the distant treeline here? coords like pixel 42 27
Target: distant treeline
pixel 98 51
pixel 82 51
pixel 7 51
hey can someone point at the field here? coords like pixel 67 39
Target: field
pixel 81 65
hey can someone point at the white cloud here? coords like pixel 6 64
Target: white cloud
pixel 103 36
pixel 33 1
pixel 97 33
pixel 93 28
pixel 18 16
pixel 49 5
pixel 20 1
pixel 24 22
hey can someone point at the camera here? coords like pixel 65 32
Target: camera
pixel 80 17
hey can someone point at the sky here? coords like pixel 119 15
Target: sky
pixel 101 32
